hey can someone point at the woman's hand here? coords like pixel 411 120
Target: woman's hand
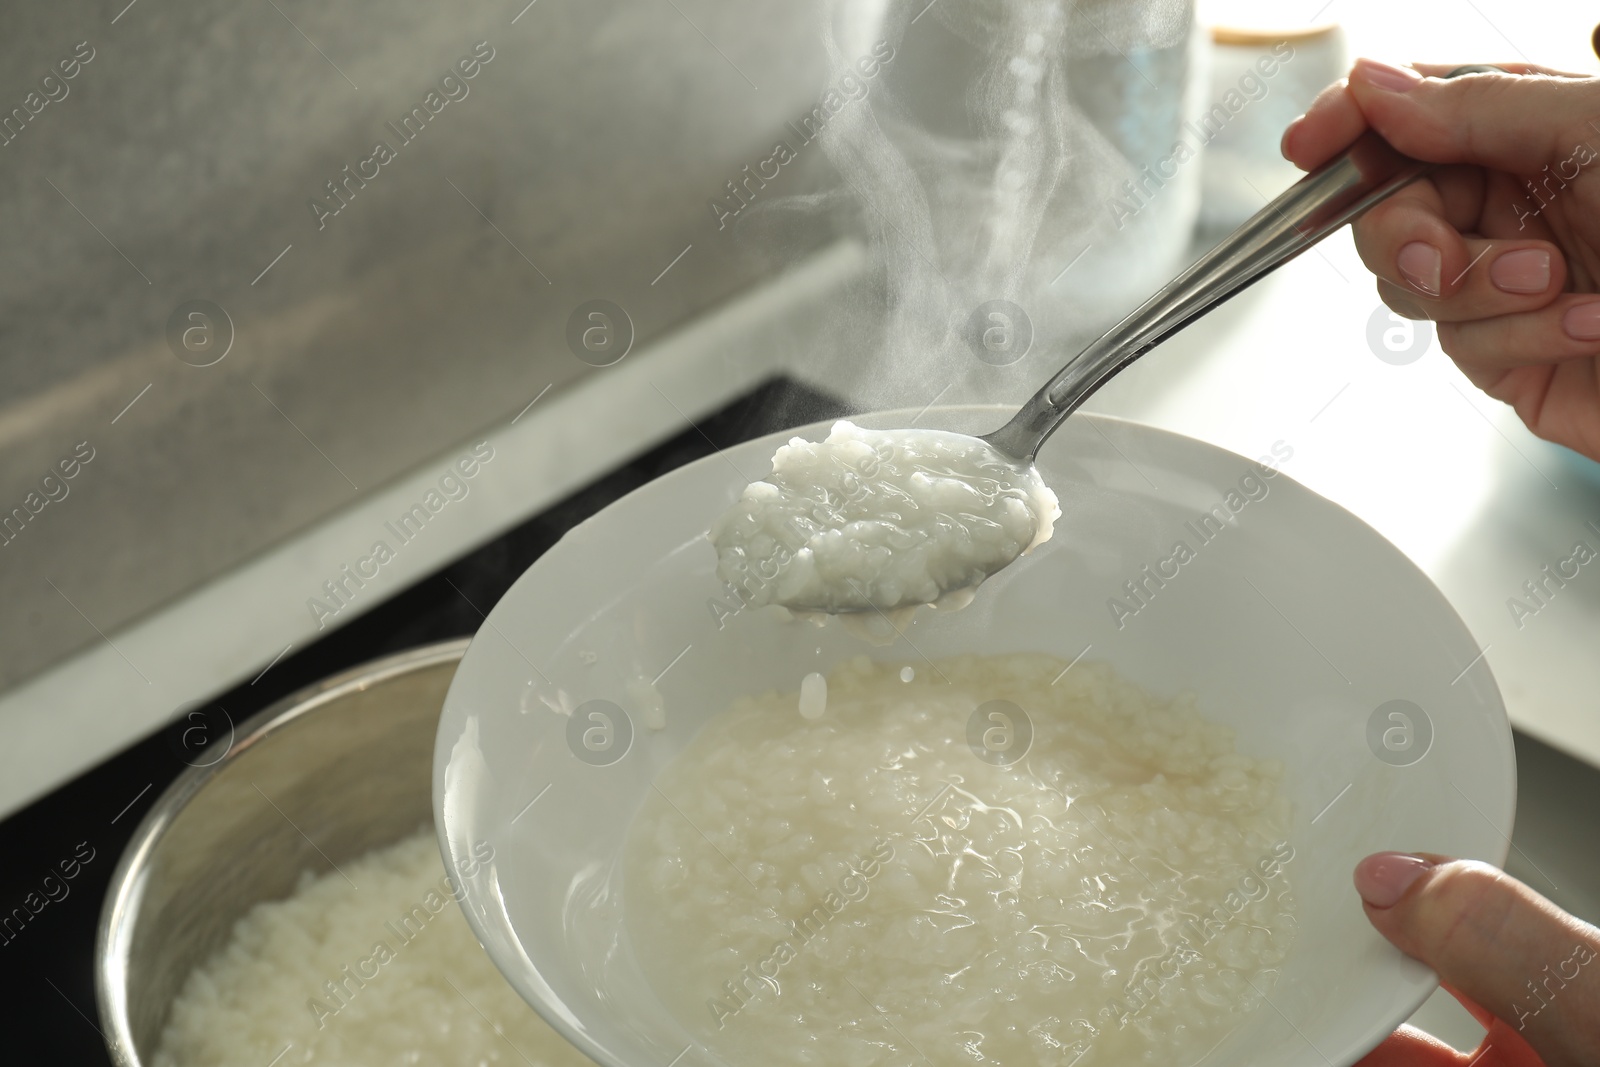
pixel 1524 968
pixel 1501 246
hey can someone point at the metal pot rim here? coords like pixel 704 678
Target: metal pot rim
pixel 122 895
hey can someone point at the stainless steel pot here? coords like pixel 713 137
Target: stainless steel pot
pixel 333 771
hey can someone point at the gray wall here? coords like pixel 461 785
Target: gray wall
pixel 189 147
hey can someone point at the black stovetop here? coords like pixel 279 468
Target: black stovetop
pixel 46 960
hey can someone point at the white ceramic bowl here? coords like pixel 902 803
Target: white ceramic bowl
pixel 1296 624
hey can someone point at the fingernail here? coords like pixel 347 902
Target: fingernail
pixel 1527 270
pixel 1383 878
pixel 1419 264
pixel 1390 79
pixel 1283 142
pixel 1582 321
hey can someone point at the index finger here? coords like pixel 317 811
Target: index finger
pixel 1335 119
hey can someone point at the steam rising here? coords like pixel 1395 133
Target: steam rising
pixel 981 162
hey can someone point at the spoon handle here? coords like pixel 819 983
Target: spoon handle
pixel 1313 207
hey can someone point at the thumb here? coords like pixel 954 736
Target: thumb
pixel 1510 122
pixel 1496 941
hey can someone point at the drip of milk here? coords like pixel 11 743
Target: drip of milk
pixel 647 702
pixel 813 696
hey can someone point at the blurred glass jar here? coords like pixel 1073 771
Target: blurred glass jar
pixel 1262 78
pixel 1140 82
pixel 1045 140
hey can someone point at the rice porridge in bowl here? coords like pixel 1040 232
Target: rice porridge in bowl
pixel 988 842
pixel 1074 872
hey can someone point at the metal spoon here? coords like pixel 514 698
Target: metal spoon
pixel 1367 172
